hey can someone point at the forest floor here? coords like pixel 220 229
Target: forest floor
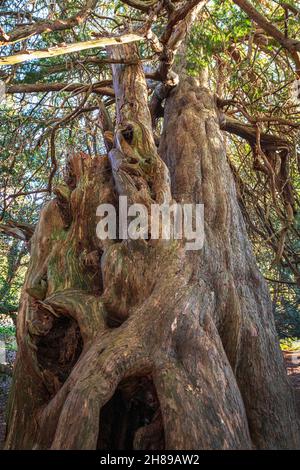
pixel 8 349
pixel 292 359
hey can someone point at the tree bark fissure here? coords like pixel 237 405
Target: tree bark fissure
pixel 243 313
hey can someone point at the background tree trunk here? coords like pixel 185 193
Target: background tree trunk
pixel 155 347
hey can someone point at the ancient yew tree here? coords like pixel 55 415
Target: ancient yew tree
pixel 140 344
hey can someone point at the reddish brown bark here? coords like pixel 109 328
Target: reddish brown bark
pixel 178 348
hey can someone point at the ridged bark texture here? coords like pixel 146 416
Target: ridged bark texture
pixel 142 344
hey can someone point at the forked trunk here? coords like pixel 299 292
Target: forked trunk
pixel 157 347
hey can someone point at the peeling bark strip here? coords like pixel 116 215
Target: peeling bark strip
pixel 151 347
pixel 68 48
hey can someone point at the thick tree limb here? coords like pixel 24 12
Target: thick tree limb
pixel 98 88
pixel 23 32
pixel 142 5
pixel 133 136
pixel 146 5
pixel 179 15
pixel 18 230
pixel 177 28
pixel 290 7
pixel 69 48
pixel 249 132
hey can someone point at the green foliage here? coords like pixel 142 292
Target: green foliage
pixel 290 344
pixel 8 336
pixel 287 314
pixel 225 25
pixel 7 330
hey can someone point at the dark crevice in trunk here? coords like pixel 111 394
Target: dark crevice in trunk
pixel 58 352
pixel 132 419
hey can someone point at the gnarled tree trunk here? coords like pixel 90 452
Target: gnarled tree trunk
pixel 141 344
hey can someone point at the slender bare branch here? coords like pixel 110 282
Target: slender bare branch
pixel 18 230
pixel 291 45
pixel 23 32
